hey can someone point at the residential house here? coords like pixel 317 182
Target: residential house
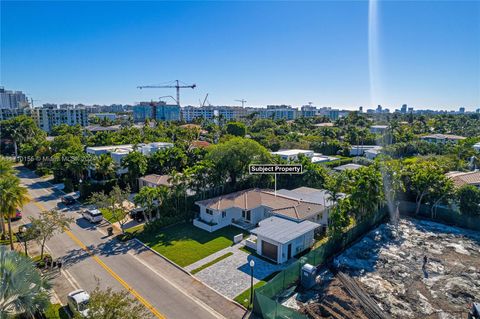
pixel 442 138
pixel 248 208
pixel 294 154
pixel 279 239
pixel 378 129
pixel 154 180
pixel 359 150
pixel 118 152
pixel 465 178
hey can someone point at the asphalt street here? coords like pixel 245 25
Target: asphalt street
pixel 91 258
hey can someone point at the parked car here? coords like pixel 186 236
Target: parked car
pixel 18 215
pixel 92 215
pixel 78 302
pixel 68 200
pixel 34 232
pixel 137 214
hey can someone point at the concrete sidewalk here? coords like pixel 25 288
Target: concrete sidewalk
pixel 189 284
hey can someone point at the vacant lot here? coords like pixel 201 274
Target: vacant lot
pixel 388 264
pixel 185 244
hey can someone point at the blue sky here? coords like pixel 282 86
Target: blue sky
pixel 427 52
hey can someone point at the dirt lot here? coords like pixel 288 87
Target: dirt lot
pixel 388 264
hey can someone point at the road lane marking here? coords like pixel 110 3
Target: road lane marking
pixel 132 291
pixel 174 285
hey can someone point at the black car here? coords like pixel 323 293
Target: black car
pixel 68 200
pixel 137 214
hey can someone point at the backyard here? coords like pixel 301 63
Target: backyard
pixel 185 244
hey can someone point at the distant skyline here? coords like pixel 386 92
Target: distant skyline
pixel 342 54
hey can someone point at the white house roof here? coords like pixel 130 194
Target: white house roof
pixel 283 230
pixel 312 195
pixel 291 152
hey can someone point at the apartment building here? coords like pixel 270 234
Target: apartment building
pixel 51 115
pixel 12 99
pixel 158 111
pixel 210 112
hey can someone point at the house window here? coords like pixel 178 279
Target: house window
pixel 209 211
pixel 224 214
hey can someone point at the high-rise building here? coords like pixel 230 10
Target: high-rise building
pixel 51 115
pixel 12 99
pixel 461 110
pixel 159 111
pixel 403 110
pixel 277 112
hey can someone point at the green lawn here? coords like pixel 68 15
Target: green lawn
pixel 107 215
pixel 244 297
pixel 185 244
pixel 216 260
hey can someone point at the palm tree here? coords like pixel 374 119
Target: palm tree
pixel 5 166
pixel 23 290
pixel 12 197
pixel 6 169
pixel 105 166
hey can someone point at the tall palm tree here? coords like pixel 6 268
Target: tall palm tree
pixel 22 290
pixel 12 197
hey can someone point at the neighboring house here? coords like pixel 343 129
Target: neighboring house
pixel 328 124
pixel 279 239
pixel 373 152
pixel 293 155
pixel 348 166
pixel 359 150
pixel 477 147
pixel 118 152
pixel 465 178
pixel 154 180
pixel 199 144
pixel 442 138
pixel 378 129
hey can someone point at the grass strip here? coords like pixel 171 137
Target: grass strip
pixel 244 297
pixel 216 260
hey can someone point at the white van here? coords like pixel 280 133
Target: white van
pixel 92 215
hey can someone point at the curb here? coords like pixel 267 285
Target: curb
pixel 188 273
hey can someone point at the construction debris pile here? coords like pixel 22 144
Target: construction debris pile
pixel 419 269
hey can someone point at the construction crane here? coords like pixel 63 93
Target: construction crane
pixel 177 86
pixel 242 101
pixel 204 101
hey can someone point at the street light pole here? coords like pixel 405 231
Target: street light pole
pixel 252 264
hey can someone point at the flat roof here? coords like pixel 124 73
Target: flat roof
pixel 444 137
pixel 282 230
pixel 291 152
